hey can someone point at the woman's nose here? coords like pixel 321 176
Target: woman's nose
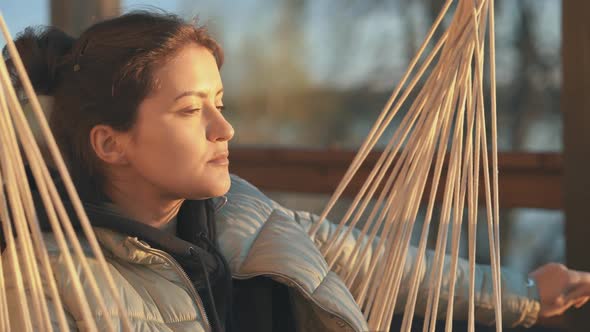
pixel 219 129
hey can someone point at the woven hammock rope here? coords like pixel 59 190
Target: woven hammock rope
pixel 448 107
pixel 448 113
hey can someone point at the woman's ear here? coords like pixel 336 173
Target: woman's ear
pixel 108 144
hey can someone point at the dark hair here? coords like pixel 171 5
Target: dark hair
pixel 101 78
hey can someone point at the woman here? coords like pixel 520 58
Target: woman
pixel 137 113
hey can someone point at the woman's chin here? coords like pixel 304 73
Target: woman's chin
pixel 222 187
pixel 213 186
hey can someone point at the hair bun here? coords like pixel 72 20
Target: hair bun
pixel 41 50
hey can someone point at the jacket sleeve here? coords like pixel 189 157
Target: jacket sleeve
pixel 520 303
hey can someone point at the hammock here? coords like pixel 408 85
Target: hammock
pixel 447 113
pixel 448 108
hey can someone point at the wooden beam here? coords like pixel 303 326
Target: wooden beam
pixel 526 179
pixel 575 103
pixel 73 16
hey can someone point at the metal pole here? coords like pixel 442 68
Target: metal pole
pixel 575 104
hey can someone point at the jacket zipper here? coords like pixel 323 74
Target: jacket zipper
pixel 293 283
pixel 198 300
pixel 182 273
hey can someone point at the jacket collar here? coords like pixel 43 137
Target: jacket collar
pixel 119 234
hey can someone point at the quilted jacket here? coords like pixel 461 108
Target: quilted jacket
pixel 258 237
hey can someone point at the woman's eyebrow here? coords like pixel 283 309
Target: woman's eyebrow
pixel 201 94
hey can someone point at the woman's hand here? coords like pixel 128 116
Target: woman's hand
pixel 560 288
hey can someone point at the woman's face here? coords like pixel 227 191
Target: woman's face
pixel 179 143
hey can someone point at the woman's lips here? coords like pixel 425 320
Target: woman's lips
pixel 220 160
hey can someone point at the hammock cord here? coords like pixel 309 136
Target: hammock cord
pixel 443 85
pixel 52 201
pixel 448 110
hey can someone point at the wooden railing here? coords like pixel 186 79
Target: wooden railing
pixel 532 180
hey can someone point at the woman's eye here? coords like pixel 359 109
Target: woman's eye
pixel 191 110
pixel 221 108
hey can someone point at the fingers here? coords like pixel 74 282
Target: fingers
pixel 578 293
pixel 578 304
pixel 559 305
pixel 563 303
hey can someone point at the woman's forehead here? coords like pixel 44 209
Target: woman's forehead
pixel 192 68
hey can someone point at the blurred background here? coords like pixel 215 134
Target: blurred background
pixel 305 75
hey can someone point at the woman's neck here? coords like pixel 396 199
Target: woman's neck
pixel 142 202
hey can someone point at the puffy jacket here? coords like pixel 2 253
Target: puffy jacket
pixel 258 237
